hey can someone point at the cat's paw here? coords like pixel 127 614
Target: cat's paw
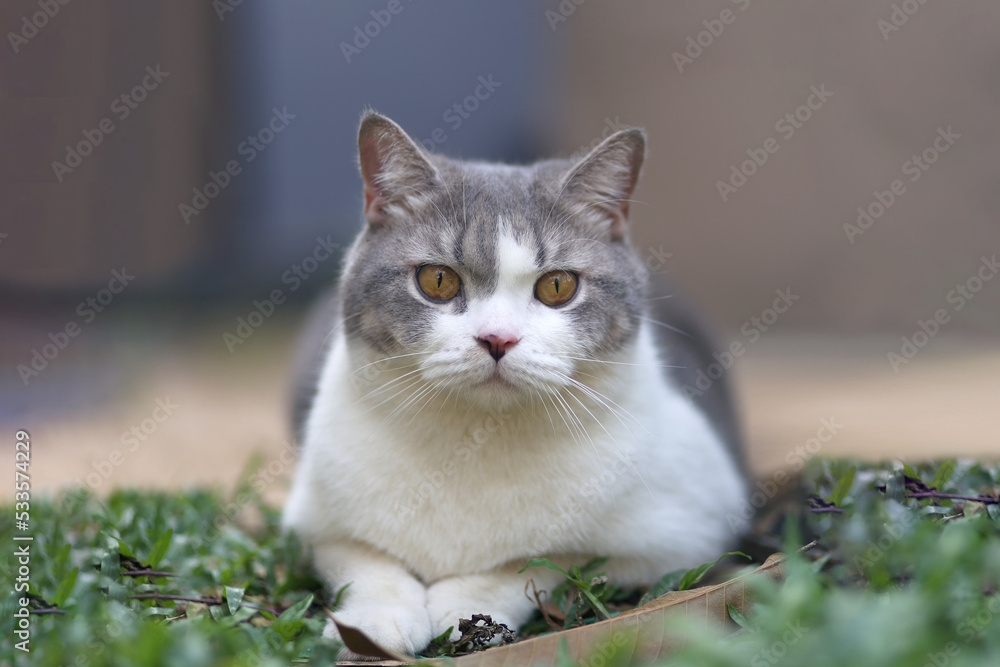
pixel 394 627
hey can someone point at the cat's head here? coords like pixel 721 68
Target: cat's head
pixel 497 282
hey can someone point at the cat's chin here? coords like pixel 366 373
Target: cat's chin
pixel 498 393
pixel 495 393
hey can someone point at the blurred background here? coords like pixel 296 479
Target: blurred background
pixel 179 180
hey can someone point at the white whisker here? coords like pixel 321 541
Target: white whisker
pixel 412 382
pixel 616 363
pixel 437 389
pixel 664 324
pixel 386 385
pixel 408 402
pixel 379 361
pixel 598 396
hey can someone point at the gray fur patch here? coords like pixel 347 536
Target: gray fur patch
pixel 570 213
pixel 452 219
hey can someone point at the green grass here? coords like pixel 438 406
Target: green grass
pixel 268 614
pixel 898 576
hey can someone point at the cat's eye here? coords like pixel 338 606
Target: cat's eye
pixel 438 282
pixel 556 288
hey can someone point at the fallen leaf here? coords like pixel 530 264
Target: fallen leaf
pixel 640 631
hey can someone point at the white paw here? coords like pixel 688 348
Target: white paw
pixel 395 627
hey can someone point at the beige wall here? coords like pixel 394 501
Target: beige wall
pixel 785 227
pixel 119 205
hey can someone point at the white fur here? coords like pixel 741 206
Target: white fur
pixel 429 480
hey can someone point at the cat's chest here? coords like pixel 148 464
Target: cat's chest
pixel 454 492
pixel 449 490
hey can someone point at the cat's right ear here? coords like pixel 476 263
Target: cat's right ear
pixel 396 171
pixel 602 183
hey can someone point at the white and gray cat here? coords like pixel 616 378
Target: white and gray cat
pixel 494 381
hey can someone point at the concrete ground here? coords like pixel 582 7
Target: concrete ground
pixel 176 409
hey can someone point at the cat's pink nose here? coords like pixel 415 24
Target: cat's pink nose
pixel 496 345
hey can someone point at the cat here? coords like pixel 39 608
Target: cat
pixel 489 385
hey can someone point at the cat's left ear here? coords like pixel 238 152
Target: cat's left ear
pixel 395 169
pixel 602 183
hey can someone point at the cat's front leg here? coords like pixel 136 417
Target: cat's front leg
pixel 384 600
pixel 500 594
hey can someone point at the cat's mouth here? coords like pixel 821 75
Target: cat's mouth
pixel 485 381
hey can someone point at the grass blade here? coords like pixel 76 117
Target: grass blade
pixel 66 588
pixel 843 486
pixel 160 548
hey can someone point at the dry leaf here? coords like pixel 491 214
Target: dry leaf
pixel 640 631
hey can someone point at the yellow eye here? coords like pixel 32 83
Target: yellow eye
pixel 438 282
pixel 556 288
